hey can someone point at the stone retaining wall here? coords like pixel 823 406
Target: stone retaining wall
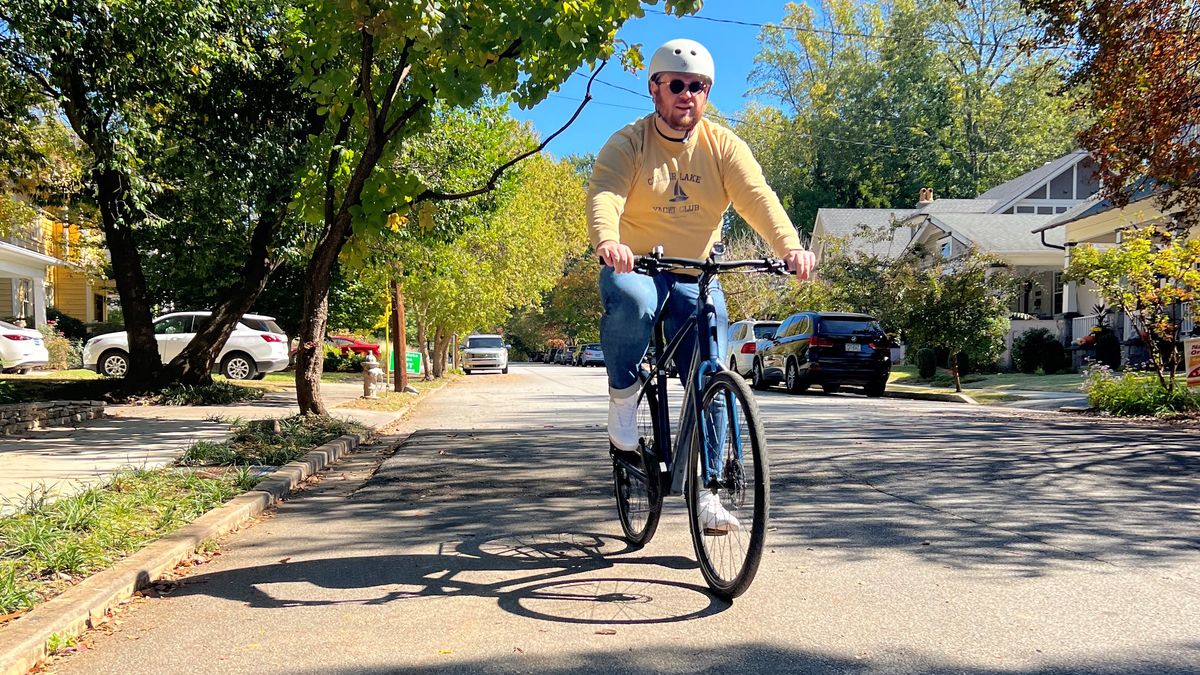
pixel 17 418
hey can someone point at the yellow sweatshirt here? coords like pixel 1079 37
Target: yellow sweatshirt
pixel 648 191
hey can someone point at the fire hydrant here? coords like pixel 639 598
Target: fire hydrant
pixel 373 380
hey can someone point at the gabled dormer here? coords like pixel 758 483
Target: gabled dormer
pixel 1049 189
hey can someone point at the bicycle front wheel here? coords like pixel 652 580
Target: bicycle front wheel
pixel 728 507
pixel 636 481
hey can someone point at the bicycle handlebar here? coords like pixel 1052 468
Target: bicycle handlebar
pixel 656 262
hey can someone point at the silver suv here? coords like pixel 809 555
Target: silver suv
pixel 743 337
pixel 482 352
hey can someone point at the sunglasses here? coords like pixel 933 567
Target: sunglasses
pixel 677 86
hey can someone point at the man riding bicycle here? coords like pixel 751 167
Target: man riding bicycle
pixel 666 180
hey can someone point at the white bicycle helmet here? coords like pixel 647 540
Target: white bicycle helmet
pixel 682 56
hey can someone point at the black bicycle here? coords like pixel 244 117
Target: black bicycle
pixel 725 453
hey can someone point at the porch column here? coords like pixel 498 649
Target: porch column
pixel 1070 288
pixel 39 302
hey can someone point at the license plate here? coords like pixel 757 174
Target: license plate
pixel 852 347
pixel 37 342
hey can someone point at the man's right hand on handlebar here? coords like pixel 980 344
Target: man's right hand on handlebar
pixel 616 255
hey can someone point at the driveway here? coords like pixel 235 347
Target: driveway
pixel 907 536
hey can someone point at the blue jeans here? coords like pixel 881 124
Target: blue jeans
pixel 632 303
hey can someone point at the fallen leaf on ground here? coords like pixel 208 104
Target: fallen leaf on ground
pixel 606 631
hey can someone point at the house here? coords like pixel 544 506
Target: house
pixel 1100 223
pixel 39 268
pixel 1006 221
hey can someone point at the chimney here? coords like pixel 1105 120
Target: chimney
pixel 925 198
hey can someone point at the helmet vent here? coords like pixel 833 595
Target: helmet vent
pixel 678 51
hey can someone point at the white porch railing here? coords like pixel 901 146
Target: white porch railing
pixel 1082 325
pixel 1187 322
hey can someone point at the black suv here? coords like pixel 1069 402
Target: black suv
pixel 826 348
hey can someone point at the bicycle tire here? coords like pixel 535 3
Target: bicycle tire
pixel 639 497
pixel 730 561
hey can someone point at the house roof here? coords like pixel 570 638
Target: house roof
pixel 958 206
pixel 1138 191
pixel 849 222
pixel 999 233
pixel 1005 194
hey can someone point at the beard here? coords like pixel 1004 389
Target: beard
pixel 678 118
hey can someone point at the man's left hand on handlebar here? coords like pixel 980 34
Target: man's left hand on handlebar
pixel 800 262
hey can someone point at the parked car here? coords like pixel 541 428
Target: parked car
pixel 566 356
pixel 551 355
pixel 826 348
pixel 743 340
pixel 348 343
pixel 21 349
pixel 482 352
pixel 248 354
pixel 591 355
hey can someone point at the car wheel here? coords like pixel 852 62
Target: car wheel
pixel 238 366
pixel 466 371
pixel 114 364
pixel 876 389
pixel 794 384
pixel 831 388
pixel 733 365
pixel 504 370
pixel 758 379
pixel 24 371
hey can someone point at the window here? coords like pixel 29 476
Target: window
pixel 1039 194
pixel 1025 209
pixel 98 303
pixel 1058 292
pixel 764 330
pixel 1060 209
pixel 788 327
pixel 490 343
pixel 805 327
pixel 947 248
pixel 1045 210
pixel 173 325
pixel 738 332
pixel 1063 185
pixel 1086 182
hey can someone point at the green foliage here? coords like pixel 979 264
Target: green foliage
pixel 48 544
pixel 1136 393
pixel 1028 350
pixel 338 362
pixel 64 354
pixel 8 392
pixel 864 122
pixel 926 363
pixel 1147 276
pixel 1054 358
pixel 66 324
pixel 217 393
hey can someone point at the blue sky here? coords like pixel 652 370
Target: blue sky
pixel 733 48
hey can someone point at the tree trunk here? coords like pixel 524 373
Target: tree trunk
pixel 954 371
pixel 117 216
pixel 195 364
pixel 441 341
pixel 423 347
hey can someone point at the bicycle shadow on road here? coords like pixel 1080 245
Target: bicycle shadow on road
pixel 560 577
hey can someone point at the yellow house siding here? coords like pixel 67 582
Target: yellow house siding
pixel 6 291
pixel 72 296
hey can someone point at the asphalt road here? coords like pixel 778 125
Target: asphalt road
pixel 908 537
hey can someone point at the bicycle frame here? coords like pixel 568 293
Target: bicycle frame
pixel 673 457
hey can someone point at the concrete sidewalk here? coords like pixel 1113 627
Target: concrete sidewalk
pixel 61 460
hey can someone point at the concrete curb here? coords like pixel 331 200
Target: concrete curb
pixel 930 396
pixel 23 641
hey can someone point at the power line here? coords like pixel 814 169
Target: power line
pixel 869 36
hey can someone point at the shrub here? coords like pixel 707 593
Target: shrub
pixel 926 363
pixel 337 362
pixel 1054 357
pixel 66 324
pixel 64 353
pixel 1028 347
pixel 217 393
pixel 1135 393
pixel 8 391
pixel 1108 349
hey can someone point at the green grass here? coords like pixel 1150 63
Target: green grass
pixel 289 377
pixel 392 401
pixel 49 545
pixel 998 382
pixel 269 442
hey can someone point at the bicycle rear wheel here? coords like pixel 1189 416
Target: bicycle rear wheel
pixel 729 558
pixel 636 480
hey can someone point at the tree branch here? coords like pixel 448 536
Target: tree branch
pixel 398 76
pixel 404 116
pixel 334 152
pixel 495 178
pixel 364 78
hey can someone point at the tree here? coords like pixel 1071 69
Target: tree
pixel 960 306
pixel 882 99
pixel 1140 62
pixel 380 70
pixel 1149 276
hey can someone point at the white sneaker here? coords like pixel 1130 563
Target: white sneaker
pixel 713 516
pixel 622 418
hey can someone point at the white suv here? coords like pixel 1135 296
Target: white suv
pixel 743 339
pixel 249 354
pixel 484 351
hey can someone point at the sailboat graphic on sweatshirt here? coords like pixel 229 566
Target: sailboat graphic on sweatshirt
pixel 680 195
